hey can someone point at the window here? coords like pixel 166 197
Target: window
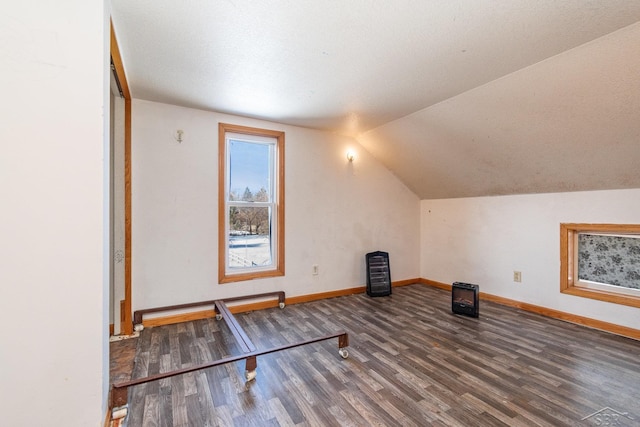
pixel 601 261
pixel 251 203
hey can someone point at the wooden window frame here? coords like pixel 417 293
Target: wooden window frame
pixel 568 258
pixel 278 269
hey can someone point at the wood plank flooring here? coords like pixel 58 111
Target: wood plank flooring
pixel 412 363
pixel 121 356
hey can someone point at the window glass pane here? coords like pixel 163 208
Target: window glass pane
pixel 613 260
pixel 251 201
pixel 250 237
pixel 249 171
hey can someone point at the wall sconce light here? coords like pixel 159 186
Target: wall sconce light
pixel 351 155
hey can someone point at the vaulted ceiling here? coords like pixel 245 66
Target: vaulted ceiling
pixel 457 98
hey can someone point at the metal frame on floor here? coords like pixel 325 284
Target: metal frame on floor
pixel 119 392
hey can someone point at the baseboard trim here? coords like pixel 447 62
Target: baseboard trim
pixel 241 308
pixel 435 284
pixel 178 318
pixel 325 295
pixel 549 312
pixel 405 282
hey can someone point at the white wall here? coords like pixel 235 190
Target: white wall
pixel 53 355
pixel 118 214
pixel 335 211
pixel 483 240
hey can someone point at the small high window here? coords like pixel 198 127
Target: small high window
pixel 251 203
pixel 601 261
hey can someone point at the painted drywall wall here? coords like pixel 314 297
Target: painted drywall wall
pixel 530 123
pixel 54 350
pixel 118 214
pixel 336 211
pixel 484 240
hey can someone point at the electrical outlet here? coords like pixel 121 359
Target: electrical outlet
pixel 517 276
pixel 315 269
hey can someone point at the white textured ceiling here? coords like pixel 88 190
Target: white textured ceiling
pixel 458 98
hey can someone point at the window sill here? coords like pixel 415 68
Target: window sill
pixel 629 300
pixel 240 277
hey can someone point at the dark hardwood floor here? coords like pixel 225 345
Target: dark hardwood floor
pixel 121 358
pixel 412 363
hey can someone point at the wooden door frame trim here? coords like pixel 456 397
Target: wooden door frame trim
pixel 126 324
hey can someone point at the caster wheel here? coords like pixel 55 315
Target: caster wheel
pixel 119 413
pixel 218 316
pixel 139 327
pixel 344 353
pixel 250 375
pixel 281 305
